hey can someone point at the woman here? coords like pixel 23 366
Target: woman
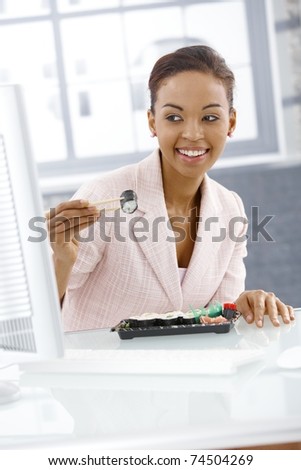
pixel 186 242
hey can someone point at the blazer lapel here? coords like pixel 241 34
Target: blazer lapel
pixel 206 244
pixel 157 245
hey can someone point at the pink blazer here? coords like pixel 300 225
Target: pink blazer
pixel 127 265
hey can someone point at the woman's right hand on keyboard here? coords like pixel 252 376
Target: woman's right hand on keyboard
pixel 65 222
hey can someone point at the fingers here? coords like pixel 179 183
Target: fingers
pixel 254 305
pixel 291 312
pixel 244 307
pixel 69 216
pixel 67 205
pixel 259 307
pixel 285 311
pixel 68 235
pixel 276 308
pixel 272 309
pixel 70 219
pixel 251 304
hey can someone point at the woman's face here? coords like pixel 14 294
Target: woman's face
pixel 191 119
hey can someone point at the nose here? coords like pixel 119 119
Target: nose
pixel 193 130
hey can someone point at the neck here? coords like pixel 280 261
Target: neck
pixel 182 194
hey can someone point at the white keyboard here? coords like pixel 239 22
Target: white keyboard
pixel 146 361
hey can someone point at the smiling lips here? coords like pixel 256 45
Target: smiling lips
pixel 192 153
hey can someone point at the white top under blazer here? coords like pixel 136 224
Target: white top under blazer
pixel 130 267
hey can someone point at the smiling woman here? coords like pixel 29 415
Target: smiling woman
pixel 191 113
pixel 192 109
pixel 116 273
pixel 195 105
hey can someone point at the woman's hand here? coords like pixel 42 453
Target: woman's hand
pixel 254 304
pixel 64 224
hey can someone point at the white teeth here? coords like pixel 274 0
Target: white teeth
pixel 192 153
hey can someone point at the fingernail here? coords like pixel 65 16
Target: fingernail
pixel 276 322
pixel 249 318
pixel 259 323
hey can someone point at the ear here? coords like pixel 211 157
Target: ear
pixel 151 122
pixel 232 121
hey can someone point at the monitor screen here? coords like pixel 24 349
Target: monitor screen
pixel 30 324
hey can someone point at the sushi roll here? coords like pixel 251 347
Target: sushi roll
pixel 143 321
pixel 197 312
pixel 169 318
pixel 128 201
pixel 189 318
pixel 230 311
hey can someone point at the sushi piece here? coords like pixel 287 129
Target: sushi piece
pixel 196 313
pixel 128 201
pixel 143 321
pixel 189 318
pixel 170 318
pixel 230 311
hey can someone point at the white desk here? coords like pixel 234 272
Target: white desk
pixel 259 405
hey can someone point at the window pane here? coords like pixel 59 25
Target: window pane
pixel 229 35
pixel 34 66
pixel 81 5
pixel 98 91
pixel 153 41
pixel 93 48
pixel 15 8
pixel 102 118
pixel 244 102
pixel 43 109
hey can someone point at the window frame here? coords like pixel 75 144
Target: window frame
pixel 266 141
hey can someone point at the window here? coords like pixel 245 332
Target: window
pixel 84 65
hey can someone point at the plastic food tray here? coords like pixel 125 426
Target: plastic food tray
pixel 126 332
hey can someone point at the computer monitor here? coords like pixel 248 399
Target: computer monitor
pixel 30 324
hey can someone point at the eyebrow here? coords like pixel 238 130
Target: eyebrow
pixel 211 105
pixel 172 106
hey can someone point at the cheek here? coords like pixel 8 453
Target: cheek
pixel 220 134
pixel 166 135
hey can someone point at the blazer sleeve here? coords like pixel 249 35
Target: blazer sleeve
pixel 233 283
pixel 92 244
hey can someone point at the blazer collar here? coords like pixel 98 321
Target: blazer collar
pixel 149 184
pixel 208 242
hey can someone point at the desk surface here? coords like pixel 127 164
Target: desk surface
pixel 260 404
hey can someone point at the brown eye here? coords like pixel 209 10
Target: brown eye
pixel 173 118
pixel 210 118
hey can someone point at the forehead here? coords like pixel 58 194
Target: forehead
pixel 192 85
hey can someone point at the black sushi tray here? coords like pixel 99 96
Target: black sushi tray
pixel 126 332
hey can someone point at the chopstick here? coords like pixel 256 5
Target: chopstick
pixel 105 201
